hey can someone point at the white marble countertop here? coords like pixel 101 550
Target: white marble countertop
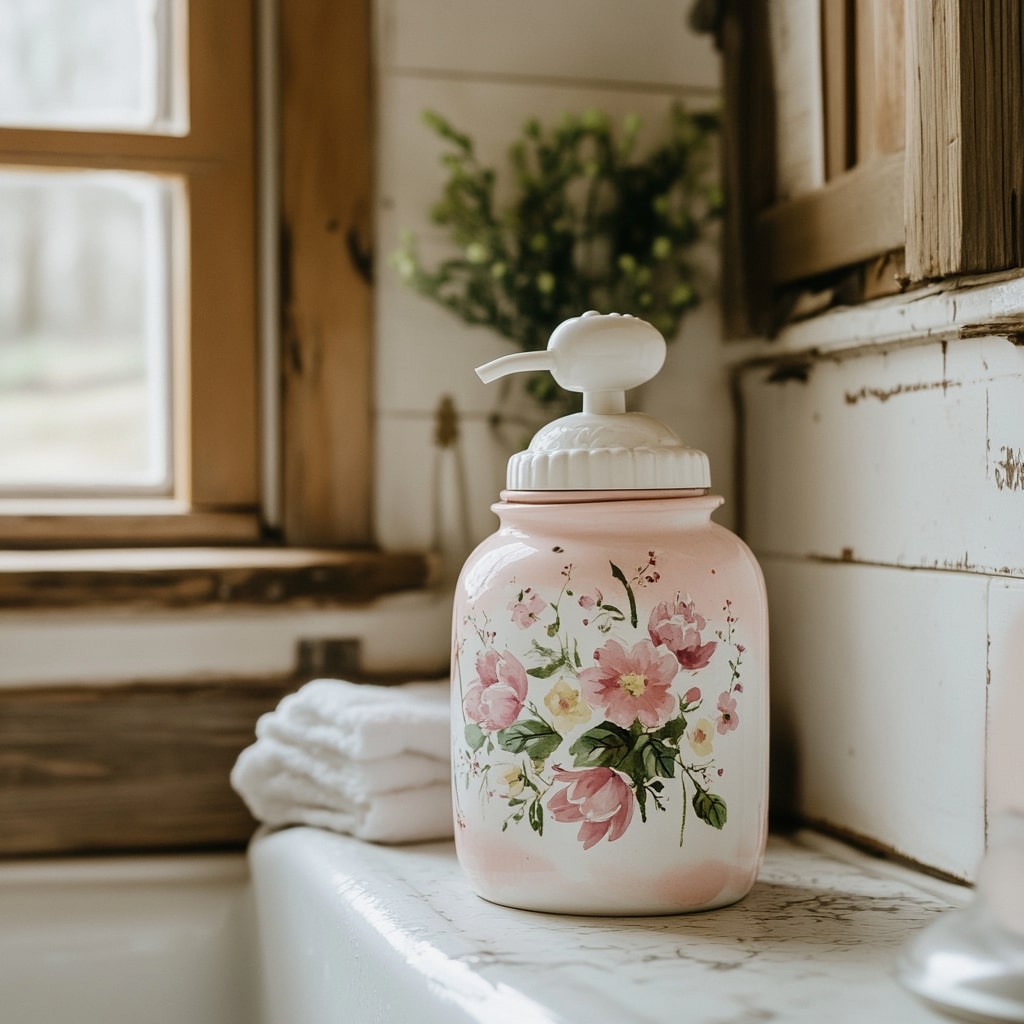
pixel 815 941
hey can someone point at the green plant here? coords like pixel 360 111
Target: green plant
pixel 588 224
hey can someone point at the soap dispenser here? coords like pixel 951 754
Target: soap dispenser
pixel 610 660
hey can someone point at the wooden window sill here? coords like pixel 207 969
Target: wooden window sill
pixel 200 577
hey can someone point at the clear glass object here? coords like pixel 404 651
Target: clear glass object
pixel 113 65
pixel 970 962
pixel 85 332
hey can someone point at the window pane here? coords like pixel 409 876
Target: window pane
pixel 93 64
pixel 85 332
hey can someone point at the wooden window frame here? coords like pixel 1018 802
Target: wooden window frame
pixel 213 318
pixel 324 203
pixel 946 203
pixel 326 249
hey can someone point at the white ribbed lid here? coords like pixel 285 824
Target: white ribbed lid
pixel 604 447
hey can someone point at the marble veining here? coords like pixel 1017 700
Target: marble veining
pixel 815 940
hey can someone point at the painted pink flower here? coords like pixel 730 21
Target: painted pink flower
pixel 677 625
pixel 527 608
pixel 692 696
pixel 599 798
pixel 728 717
pixel 495 698
pixel 631 685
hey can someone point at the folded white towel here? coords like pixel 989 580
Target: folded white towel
pixel 408 816
pixel 364 722
pixel 332 772
pixel 372 761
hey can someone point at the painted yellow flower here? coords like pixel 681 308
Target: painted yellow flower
pixel 700 737
pixel 565 705
pixel 514 780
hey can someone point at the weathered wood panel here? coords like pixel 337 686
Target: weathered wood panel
pixel 795 31
pixel 138 767
pixel 854 217
pixel 326 250
pixel 879 78
pixel 965 136
pixel 910 457
pixel 190 578
pixel 748 163
pixel 838 54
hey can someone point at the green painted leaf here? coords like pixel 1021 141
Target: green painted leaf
pixel 604 746
pixel 633 766
pixel 532 737
pixel 682 822
pixel 546 671
pixel 475 736
pixel 709 808
pixel 641 801
pixel 672 731
pixel 658 758
pixel 536 817
pixel 621 577
pixel 555 661
pixel 544 652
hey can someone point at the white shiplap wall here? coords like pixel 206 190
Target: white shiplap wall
pixel 879 499
pixel 488 67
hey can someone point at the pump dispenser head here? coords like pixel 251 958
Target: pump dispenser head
pixel 601 356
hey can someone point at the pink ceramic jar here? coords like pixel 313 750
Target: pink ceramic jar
pixel 610 664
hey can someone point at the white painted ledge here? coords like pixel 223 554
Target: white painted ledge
pixel 359 932
pixel 935 312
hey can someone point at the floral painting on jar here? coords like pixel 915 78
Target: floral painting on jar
pixel 598 718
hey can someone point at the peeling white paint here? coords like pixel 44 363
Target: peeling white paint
pixel 908 457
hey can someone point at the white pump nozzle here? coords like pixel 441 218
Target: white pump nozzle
pixel 601 356
pixel 518 361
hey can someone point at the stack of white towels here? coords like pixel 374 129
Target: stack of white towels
pixel 370 761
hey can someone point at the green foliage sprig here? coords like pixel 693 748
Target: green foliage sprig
pixel 589 224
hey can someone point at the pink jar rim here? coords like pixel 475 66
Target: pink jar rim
pixel 588 496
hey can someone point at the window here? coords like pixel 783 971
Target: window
pixel 127 296
pixel 85 368
pixel 907 123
